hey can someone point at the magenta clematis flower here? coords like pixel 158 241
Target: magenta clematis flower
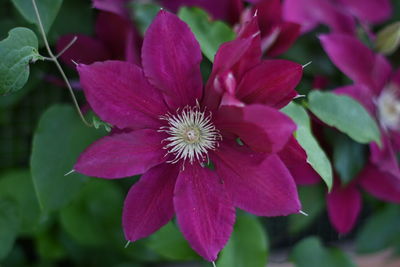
pixel 339 15
pixel 169 133
pixel 377 88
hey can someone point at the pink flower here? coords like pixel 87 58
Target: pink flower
pixel 377 88
pixel 339 15
pixel 170 131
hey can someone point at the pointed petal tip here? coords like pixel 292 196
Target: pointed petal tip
pixel 70 172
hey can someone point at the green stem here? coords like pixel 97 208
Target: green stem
pixel 54 59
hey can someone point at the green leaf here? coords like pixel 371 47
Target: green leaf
pixel 348 156
pixel 316 157
pixel 59 139
pixel 379 231
pixel 169 243
pixel 210 34
pixel 248 245
pixel 94 216
pixel 9 226
pixel 312 200
pixel 48 10
pixel 310 253
pixel 388 39
pixel 143 14
pixel 346 114
pixel 16 52
pixel 17 185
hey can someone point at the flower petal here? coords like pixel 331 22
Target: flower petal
pixel 205 213
pixel 344 205
pixel 264 129
pixel 256 183
pixel 171 59
pixel 295 159
pixel 272 82
pixel 113 6
pixel 149 203
pixel 122 155
pixel 385 157
pixel 382 185
pixel 121 38
pixel 231 61
pixel 85 50
pixel 228 10
pixel 309 13
pixel 356 60
pixel 288 33
pixel 223 74
pixel 369 11
pixel 120 94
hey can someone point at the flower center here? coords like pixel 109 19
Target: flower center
pixel 191 135
pixel 389 109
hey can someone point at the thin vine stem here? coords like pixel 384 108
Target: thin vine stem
pixel 54 59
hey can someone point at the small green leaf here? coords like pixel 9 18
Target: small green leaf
pixel 388 39
pixel 59 139
pixel 169 243
pixel 248 245
pixel 9 226
pixel 312 200
pixel 143 14
pixel 210 34
pixel 94 216
pixel 346 114
pixel 311 253
pixel 348 156
pixel 379 230
pixel 17 51
pixel 316 157
pixel 17 185
pixel 48 10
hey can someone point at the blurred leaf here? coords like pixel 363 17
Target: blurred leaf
pixel 379 230
pixel 312 200
pixel 17 185
pixel 143 14
pixel 248 245
pixel 388 39
pixel 17 51
pixel 81 24
pixel 310 253
pixel 93 218
pixel 9 226
pixel 348 156
pixel 58 140
pixel 48 10
pixel 346 114
pixel 49 246
pixel 170 243
pixel 315 155
pixel 210 34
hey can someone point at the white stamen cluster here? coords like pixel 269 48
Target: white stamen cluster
pixel 388 105
pixel 191 135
